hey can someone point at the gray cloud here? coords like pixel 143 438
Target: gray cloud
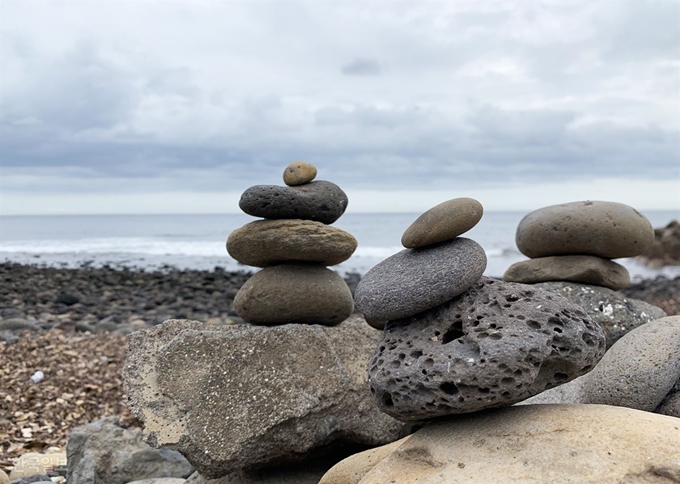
pixel 361 67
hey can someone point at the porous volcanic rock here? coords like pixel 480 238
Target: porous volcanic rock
pixel 443 222
pixel 299 173
pixel 570 444
pixel 294 293
pixel 240 396
pixel 671 404
pixel 587 269
pixel 612 310
pixel 496 344
pixel 269 242
pixel 605 229
pixel 322 201
pixel 415 280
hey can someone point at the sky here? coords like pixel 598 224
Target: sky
pixel 177 107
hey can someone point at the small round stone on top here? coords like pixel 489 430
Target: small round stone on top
pixel 299 173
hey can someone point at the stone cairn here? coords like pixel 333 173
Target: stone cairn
pixel 576 241
pixel 456 342
pixel 294 244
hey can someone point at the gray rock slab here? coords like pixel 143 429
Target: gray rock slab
pixel 415 280
pixel 494 345
pixel 244 397
pixel 616 313
pixel 269 242
pixel 103 451
pixel 586 269
pixel 605 229
pixel 443 222
pixel 322 201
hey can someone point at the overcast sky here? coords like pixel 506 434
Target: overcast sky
pixel 158 106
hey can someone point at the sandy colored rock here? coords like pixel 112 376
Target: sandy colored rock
pixel 294 293
pixel 4 478
pixel 354 468
pixel 299 173
pixel 566 444
pixel 605 229
pixel 496 344
pixel 415 280
pixel 269 242
pixel 586 269
pixel 443 222
pixel 269 395
pixel 34 463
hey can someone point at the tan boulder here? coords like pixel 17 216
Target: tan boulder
pixel 353 469
pixel 530 444
pixel 299 173
pixel 269 242
pixel 586 269
pixel 4 479
pixel 443 222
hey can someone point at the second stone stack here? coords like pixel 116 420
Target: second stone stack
pixel 293 244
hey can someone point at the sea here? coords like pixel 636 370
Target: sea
pixel 198 241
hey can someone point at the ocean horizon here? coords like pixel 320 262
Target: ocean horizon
pixel 197 241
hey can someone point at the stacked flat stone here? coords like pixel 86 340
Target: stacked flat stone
pixel 576 241
pixel 456 342
pixel 294 244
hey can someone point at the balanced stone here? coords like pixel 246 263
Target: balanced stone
pixel 299 173
pixel 322 201
pixel 294 293
pixel 414 280
pixel 270 242
pixel 496 344
pixel 605 229
pixel 443 222
pixel 587 269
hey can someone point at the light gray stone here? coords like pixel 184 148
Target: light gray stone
pixel 415 280
pixel 244 397
pixel 103 451
pixel 616 313
pixel 322 201
pixel 443 222
pixel 494 345
pixel 586 269
pixel 294 293
pixel 605 229
pixel 17 324
pixel 269 242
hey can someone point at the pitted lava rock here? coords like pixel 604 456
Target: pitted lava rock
pixel 322 201
pixel 492 346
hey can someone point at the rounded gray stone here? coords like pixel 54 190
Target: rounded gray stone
pixel 269 242
pixel 294 293
pixel 415 280
pixel 322 201
pixel 496 344
pixel 605 229
pixel 443 222
pixel 613 311
pixel 587 269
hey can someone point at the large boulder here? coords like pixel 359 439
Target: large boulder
pixel 612 310
pixel 527 445
pixel 104 451
pixel 640 371
pixel 246 397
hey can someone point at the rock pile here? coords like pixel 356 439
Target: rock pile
pixel 457 342
pixel 576 242
pixel 294 244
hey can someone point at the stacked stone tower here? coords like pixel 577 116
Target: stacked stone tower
pixel 293 244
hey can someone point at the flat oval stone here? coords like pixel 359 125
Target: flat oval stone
pixel 414 280
pixel 299 173
pixel 605 229
pixel 587 269
pixel 496 344
pixel 294 293
pixel 443 222
pixel 322 201
pixel 269 242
